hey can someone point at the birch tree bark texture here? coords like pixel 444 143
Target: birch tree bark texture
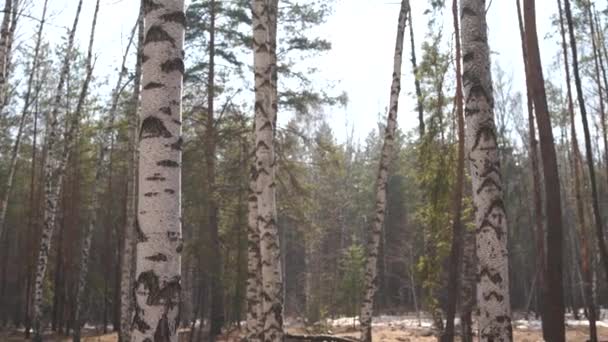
pixel 159 244
pixel 265 117
pixel 371 272
pixel 490 222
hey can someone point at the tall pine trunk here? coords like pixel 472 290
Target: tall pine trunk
pixel 553 299
pixel 457 227
pixel 159 242
pixel 588 149
pixel 52 182
pixel 490 219
pixel 126 274
pixel 370 278
pixel 535 168
pixel 577 167
pixel 217 292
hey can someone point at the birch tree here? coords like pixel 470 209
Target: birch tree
pixel 157 282
pixel 370 283
pixel 265 118
pixel 52 183
pixel 126 278
pixel 490 221
pixel 254 265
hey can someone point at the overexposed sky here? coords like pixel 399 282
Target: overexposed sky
pixel 362 33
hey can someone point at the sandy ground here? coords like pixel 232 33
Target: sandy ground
pixel 381 334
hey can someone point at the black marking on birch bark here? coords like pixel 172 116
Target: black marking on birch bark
pixel 157 34
pixel 495 278
pixel 141 237
pixel 172 236
pixel 153 85
pixel 162 333
pixel 168 163
pixel 175 17
pixel 170 191
pixel 138 322
pixel 175 64
pixel 177 122
pixel 150 6
pixel 157 257
pixel 497 230
pixel 468 11
pixel 156 178
pixel 469 56
pixel 144 58
pixel 491 167
pixel 165 110
pixel 488 181
pixel 151 194
pixel 486 130
pixel 153 127
pixel 499 298
pixel 177 146
pixel 180 247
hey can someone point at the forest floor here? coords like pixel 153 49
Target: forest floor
pixel 386 329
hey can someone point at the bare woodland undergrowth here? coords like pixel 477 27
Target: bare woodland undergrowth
pixel 573 334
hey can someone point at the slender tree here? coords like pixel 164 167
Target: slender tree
pixel 5 38
pixel 577 167
pixel 534 166
pixel 52 182
pixel 126 277
pixel 457 229
pixel 28 99
pixel 157 283
pixel 553 301
pixel 419 101
pixel 371 273
pixel 255 324
pixel 588 149
pixel 490 221
pixel 217 294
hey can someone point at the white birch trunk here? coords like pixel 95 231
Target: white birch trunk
pixel 265 117
pixel 126 274
pixel 157 283
pixel 254 280
pixel 370 282
pixel 52 183
pixel 494 321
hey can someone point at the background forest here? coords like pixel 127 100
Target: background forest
pixel 325 185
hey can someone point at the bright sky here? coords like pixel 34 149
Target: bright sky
pixel 362 33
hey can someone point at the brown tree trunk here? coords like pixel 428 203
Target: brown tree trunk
pixel 457 228
pixel 419 101
pixel 553 301
pixel 535 168
pixel 588 149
